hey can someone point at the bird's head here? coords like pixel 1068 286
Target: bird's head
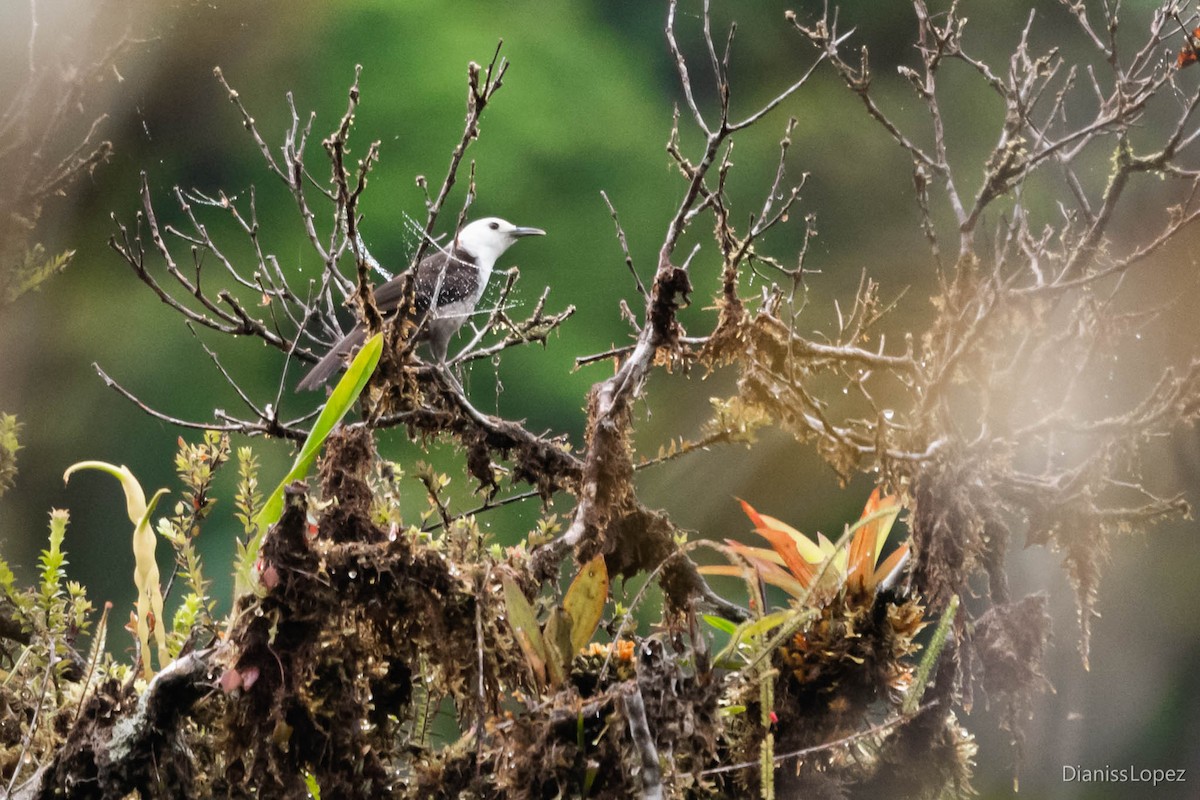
pixel 488 238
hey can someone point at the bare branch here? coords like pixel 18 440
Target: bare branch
pixel 479 93
pixel 625 246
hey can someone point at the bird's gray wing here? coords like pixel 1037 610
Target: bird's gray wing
pixel 457 272
pixel 389 295
pixel 458 279
pixel 333 360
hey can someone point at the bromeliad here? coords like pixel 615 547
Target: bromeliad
pixel 802 567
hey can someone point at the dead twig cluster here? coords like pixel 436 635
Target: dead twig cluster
pixel 51 136
pixel 267 301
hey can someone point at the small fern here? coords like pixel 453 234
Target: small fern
pixel 196 465
pixel 53 562
pixel 9 445
pixel 35 268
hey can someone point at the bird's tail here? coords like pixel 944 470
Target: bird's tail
pixel 333 360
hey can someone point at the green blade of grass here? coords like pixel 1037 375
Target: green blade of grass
pixel 339 403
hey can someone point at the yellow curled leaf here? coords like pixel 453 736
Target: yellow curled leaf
pixel 145 569
pixel 135 498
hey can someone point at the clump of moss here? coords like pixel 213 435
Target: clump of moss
pixel 324 660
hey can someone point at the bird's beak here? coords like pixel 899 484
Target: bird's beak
pixel 519 232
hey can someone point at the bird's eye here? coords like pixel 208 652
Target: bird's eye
pixel 494 226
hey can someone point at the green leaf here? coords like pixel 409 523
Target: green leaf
pixel 311 785
pixel 525 626
pixel 764 625
pixel 8 580
pixel 557 636
pixel 585 602
pixel 758 627
pixel 339 403
pixel 720 623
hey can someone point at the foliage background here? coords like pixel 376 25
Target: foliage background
pixel 586 106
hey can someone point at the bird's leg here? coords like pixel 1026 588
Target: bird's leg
pixel 455 388
pixel 439 346
pixel 451 378
pixel 440 332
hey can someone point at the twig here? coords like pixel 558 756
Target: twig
pixel 27 740
pixel 481 594
pixel 643 742
pixel 487 505
pixel 274 428
pixel 33 28
pixel 624 246
pixel 478 96
pixel 100 637
pixel 845 741
pixel 624 350
pixel 430 489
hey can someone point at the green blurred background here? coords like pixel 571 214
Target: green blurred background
pixel 586 106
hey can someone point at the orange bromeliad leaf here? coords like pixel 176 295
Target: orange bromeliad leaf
pixel 869 539
pixel 769 566
pixel 809 551
pixel 783 544
pixel 762 553
pixel 891 563
pixel 853 568
pixel 771 575
pixel 1190 52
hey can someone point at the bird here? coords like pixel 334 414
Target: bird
pixel 457 273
